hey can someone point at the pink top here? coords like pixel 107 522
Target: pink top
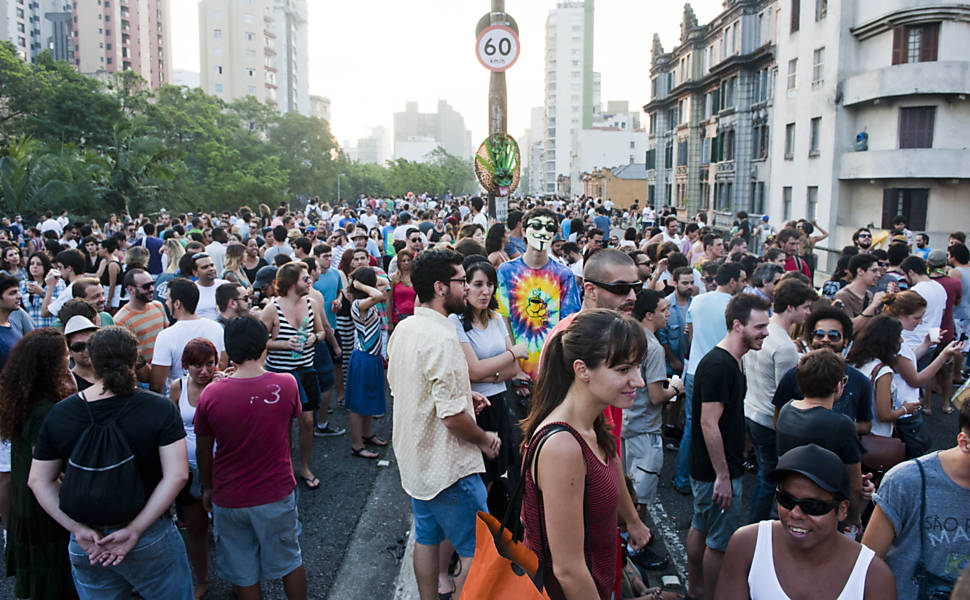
pixel 600 508
pixel 250 421
pixel 404 296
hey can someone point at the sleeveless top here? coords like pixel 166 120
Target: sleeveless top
pixel 763 581
pixel 367 329
pixel 188 415
pixel 283 360
pixel 600 517
pixel 404 296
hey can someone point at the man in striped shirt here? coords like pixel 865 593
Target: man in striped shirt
pixel 143 316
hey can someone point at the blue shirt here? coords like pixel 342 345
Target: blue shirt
pixel 515 245
pixel 674 333
pixel 602 222
pixel 9 335
pixel 707 311
pixel 329 285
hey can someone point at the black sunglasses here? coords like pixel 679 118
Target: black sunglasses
pixel 550 227
pixel 620 288
pixel 78 346
pixel 834 335
pixel 809 506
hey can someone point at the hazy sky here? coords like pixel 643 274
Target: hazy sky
pixel 371 56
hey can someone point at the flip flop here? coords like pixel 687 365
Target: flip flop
pixel 308 481
pixel 360 453
pixel 373 440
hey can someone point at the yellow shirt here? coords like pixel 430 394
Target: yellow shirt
pixel 429 380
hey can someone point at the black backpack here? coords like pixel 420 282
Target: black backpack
pixel 102 485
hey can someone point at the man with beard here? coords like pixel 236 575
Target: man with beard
pixel 830 328
pixel 862 239
pixel 717 441
pixel 142 316
pixel 788 241
pixel 434 422
pixel 535 292
pixel 207 281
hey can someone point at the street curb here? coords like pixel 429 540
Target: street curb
pixel 379 540
pixel 406 586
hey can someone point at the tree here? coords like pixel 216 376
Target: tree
pixel 305 147
pixel 27 179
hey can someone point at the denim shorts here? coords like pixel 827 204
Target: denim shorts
pixel 157 567
pixel 257 542
pixel 451 514
pixel 708 518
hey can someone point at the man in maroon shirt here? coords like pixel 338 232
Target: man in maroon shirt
pixel 788 242
pixel 249 487
pixel 935 263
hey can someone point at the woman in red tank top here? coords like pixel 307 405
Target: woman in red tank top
pixel 401 299
pixel 593 364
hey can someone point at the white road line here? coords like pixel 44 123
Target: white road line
pixel 676 550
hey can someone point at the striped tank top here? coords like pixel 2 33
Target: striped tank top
pixel 367 329
pixel 283 360
pixel 600 514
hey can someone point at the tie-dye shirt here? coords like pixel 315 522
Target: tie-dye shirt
pixel 534 300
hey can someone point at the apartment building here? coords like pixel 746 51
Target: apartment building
pixel 239 49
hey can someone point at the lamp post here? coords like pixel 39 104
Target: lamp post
pixel 339 175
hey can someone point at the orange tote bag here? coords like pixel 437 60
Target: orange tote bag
pixel 502 568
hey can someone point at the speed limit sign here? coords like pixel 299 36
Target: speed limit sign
pixel 498 47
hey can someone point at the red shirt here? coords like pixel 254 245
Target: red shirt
pixel 250 421
pixel 954 289
pixel 796 263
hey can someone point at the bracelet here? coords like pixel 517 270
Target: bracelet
pixel 513 355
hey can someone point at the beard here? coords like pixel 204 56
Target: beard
pixel 455 303
pixel 753 342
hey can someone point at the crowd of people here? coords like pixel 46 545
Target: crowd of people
pixel 155 368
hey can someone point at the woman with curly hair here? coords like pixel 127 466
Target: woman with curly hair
pixel 34 378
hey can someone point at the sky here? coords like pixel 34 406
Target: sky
pixel 371 56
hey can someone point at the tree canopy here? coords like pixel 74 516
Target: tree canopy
pixel 68 141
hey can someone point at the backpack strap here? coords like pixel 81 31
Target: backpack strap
pixel 875 375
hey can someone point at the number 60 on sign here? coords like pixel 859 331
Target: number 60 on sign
pixel 498 47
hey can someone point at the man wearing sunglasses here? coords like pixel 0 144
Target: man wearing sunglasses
pixel 78 331
pixel 830 328
pixel 803 555
pixel 862 239
pixel 535 292
pixel 811 420
pixel 142 315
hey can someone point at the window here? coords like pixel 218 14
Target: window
pixel 728 144
pixel 652 159
pixel 792 73
pixel 218 88
pixel 812 202
pixel 758 197
pixel 818 65
pixel 250 36
pixel 909 202
pixel 915 43
pixel 669 155
pixel 813 134
pixel 249 18
pixel 653 123
pixel 821 9
pixel 789 141
pixel 916 126
pixel 796 8
pixel 216 33
pixel 706 151
pixel 219 69
pixel 760 138
pixel 786 203
pixel 682 152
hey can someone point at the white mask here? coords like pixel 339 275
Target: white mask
pixel 540 237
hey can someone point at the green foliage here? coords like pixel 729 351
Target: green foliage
pixel 92 147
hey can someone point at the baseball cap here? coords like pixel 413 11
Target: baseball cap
pixel 764 218
pixel 823 467
pixel 265 276
pixel 78 323
pixel 936 259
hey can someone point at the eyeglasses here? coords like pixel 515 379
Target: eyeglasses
pixel 416 240
pixel 460 280
pixel 620 288
pixel 645 263
pixel 550 227
pixel 709 279
pixel 809 506
pixel 862 235
pixel 834 335
pixel 78 346
pixel 244 298
pixel 147 286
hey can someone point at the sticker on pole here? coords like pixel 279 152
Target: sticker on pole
pixel 498 47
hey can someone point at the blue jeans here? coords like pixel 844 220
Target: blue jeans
pixel 682 475
pixel 765 448
pixel 157 568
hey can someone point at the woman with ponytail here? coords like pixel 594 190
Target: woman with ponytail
pixel 146 553
pixel 908 308
pixel 591 365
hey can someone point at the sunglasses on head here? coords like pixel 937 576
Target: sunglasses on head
pixel 620 288
pixel 834 335
pixel 550 227
pixel 809 506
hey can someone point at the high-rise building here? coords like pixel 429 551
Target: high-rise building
pixel 571 98
pixel 417 133
pixel 292 58
pixel 36 26
pixel 239 49
pixel 320 107
pixel 120 35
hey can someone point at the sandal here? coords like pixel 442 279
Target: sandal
pixel 363 453
pixel 373 440
pixel 947 410
pixel 308 482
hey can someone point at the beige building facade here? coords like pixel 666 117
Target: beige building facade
pixel 238 49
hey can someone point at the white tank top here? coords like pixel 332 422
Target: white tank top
pixel 188 414
pixel 763 581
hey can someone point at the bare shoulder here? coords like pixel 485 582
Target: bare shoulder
pixel 880 582
pixel 745 539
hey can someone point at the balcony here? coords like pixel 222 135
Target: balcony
pixel 947 77
pixel 911 163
